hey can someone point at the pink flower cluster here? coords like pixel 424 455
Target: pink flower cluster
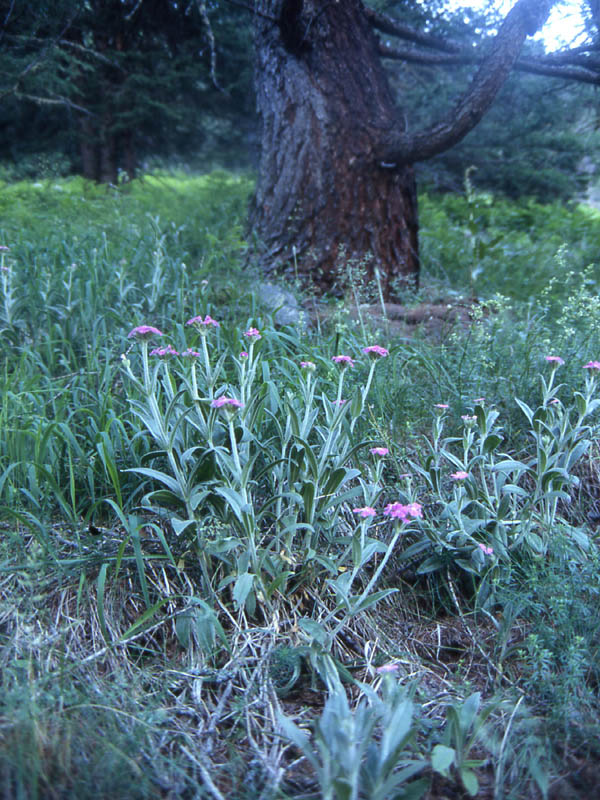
pixel 459 476
pixel 386 668
pixel 364 512
pixel 593 365
pixel 345 361
pixel 376 351
pixel 203 323
pixel 487 551
pixel 379 451
pixel 164 352
pixel 555 360
pixel 309 365
pixel 144 332
pixel 253 333
pixel 404 512
pixel 220 402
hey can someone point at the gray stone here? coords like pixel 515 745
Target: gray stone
pixel 282 302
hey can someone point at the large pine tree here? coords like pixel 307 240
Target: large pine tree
pixel 336 179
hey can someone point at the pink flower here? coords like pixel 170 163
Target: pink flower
pixel 376 351
pixel 442 406
pixel 365 512
pixel 220 402
pixel 338 402
pixel 415 510
pixel 554 401
pixel 164 352
pixel 309 365
pixel 555 360
pixel 459 476
pixel 488 551
pixel 143 332
pixel 253 333
pixel 479 401
pixel 203 323
pixel 468 420
pixel 379 451
pixel 191 353
pixel 345 361
pixel 243 354
pixel 385 668
pixel 593 365
pixel 399 511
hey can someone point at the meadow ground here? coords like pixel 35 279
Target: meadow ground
pixel 234 564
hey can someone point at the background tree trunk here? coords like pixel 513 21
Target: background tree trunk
pixel 323 198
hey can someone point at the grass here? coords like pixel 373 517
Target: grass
pixel 190 596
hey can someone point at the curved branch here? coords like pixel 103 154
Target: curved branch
pixel 385 24
pixel 525 18
pixel 587 72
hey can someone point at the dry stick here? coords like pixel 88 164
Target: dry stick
pixel 470 633
pixel 205 775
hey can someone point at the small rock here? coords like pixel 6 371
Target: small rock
pixel 282 302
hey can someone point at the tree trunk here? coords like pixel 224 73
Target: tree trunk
pixel 88 149
pixel 324 202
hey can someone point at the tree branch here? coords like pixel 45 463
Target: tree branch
pixel 525 18
pixel 385 24
pixel 587 72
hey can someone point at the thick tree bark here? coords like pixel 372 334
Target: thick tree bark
pixel 323 199
pixel 336 184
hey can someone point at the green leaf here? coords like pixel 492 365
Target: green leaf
pixel 314 630
pixel 442 758
pixel 469 780
pixel 183 626
pixel 100 584
pixel 161 477
pixel 180 525
pixel 298 738
pixel 491 442
pixel 242 588
pixel 468 711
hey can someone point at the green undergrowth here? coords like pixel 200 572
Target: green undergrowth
pixel 236 565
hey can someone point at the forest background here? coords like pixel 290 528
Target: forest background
pixel 225 574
